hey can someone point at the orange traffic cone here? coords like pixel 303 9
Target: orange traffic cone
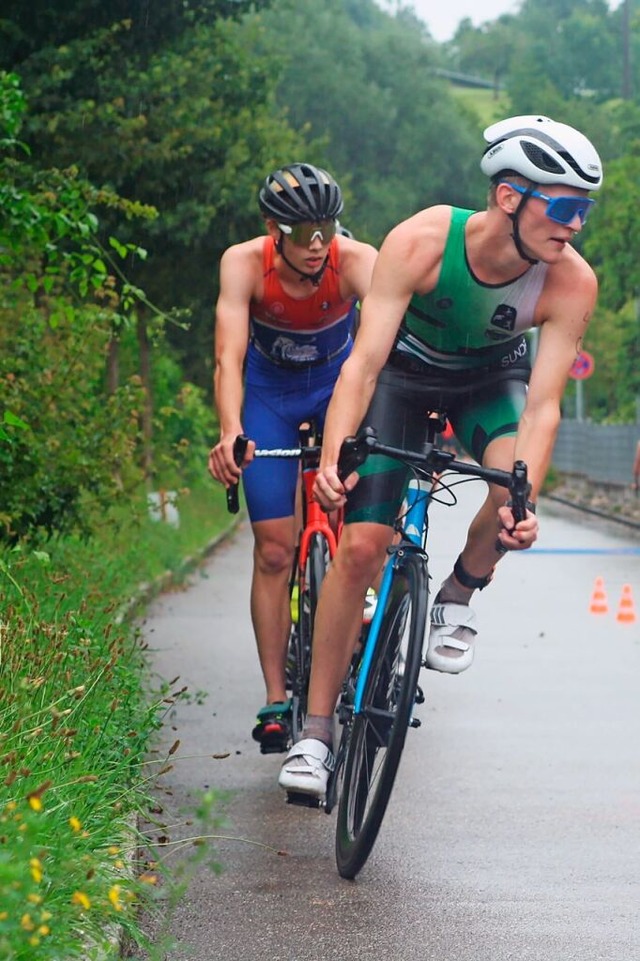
pixel 626 610
pixel 599 603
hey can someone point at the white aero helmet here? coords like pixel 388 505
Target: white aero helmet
pixel 543 150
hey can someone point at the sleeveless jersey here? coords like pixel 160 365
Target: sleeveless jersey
pixel 295 332
pixel 463 323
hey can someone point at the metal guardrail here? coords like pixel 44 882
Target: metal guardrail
pixel 600 452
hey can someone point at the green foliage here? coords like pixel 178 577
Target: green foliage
pixel 574 47
pixel 172 112
pixel 390 129
pixel 77 443
pixel 614 235
pixel 76 729
pixel 614 340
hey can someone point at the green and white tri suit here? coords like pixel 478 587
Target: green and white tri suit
pixel 460 349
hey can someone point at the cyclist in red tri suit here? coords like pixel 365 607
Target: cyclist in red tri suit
pixel 284 321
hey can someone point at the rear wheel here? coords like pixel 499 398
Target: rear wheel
pixel 379 729
pixel 310 582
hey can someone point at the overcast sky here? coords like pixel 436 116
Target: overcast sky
pixel 443 16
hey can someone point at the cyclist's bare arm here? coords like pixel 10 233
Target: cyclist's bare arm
pixel 238 268
pixel 567 304
pixel 410 253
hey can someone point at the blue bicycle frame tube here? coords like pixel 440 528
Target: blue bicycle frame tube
pixel 414 513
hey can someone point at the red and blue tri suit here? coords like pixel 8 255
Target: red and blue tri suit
pixel 296 349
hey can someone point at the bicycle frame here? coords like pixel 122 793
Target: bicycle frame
pixel 314 519
pixel 413 531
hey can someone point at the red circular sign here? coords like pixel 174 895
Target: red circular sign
pixel 583 366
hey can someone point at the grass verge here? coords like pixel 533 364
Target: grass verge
pixel 76 719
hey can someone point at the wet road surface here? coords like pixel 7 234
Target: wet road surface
pixel 513 830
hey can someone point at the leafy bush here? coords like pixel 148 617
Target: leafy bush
pixel 78 442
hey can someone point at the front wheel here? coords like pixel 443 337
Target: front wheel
pixel 379 729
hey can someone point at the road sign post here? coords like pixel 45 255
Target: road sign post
pixel 582 368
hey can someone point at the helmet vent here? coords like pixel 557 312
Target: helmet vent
pixel 540 158
pixel 579 170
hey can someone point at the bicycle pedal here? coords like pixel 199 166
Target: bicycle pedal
pixel 303 800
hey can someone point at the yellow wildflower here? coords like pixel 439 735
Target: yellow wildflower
pixel 34 898
pixel 36 870
pixel 114 897
pixel 44 930
pixel 114 849
pixel 35 803
pixel 27 923
pixel 34 941
pixel 80 898
pixel 4 915
pixel 45 916
pixel 75 823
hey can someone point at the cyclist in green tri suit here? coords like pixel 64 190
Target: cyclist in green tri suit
pixel 443 327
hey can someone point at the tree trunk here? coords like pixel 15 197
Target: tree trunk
pixel 147 408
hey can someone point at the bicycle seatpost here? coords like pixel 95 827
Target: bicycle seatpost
pixel 239 450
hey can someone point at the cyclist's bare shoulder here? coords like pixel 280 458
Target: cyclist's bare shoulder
pixel 569 281
pixel 241 267
pixel 246 255
pixel 356 260
pixel 415 247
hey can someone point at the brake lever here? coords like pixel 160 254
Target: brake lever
pixel 355 450
pixel 239 450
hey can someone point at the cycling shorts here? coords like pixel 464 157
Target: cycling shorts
pixel 276 401
pixel 480 404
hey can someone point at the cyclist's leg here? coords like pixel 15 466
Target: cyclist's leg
pixel 486 426
pixel 368 530
pixel 270 487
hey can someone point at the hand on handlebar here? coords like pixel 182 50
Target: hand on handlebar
pixel 225 465
pixel 514 536
pixel 329 491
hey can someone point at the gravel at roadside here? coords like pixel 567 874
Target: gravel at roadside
pixel 613 500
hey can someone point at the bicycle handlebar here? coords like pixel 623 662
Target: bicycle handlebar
pixel 355 450
pixel 309 453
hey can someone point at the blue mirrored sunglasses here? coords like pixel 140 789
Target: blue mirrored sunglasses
pixel 560 209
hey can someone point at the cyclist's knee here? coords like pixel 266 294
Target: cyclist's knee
pixel 362 550
pixel 273 548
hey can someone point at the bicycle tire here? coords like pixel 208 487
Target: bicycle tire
pixel 378 732
pixel 310 582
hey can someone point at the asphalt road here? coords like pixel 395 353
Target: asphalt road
pixel 513 831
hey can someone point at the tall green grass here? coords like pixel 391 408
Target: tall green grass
pixel 76 723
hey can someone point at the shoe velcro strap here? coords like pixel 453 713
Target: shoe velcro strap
pixel 453 615
pixel 310 747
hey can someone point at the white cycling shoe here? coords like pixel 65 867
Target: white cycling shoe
pixel 451 638
pixel 307 768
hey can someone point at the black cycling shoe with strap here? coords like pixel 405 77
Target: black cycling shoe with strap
pixel 273 728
